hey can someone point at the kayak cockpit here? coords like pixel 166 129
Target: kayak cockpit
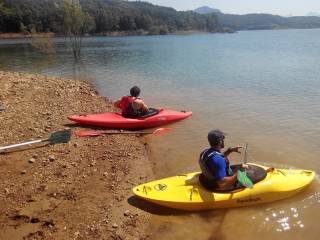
pixel 255 173
pixel 150 113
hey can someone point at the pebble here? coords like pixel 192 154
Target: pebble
pixel 32 160
pixel 51 158
pixel 126 213
pixel 115 225
pixel 23 172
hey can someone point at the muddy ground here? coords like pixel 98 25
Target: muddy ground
pixel 77 190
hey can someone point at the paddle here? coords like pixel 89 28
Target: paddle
pixel 245 154
pixel 56 137
pixel 244 179
pixel 92 133
pixel 242 176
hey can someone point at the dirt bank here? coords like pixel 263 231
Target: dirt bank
pixel 78 190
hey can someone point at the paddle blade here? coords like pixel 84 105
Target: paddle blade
pixel 244 179
pixel 86 133
pixel 161 130
pixel 60 137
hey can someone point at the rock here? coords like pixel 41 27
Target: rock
pixel 115 225
pixel 51 158
pixel 32 160
pixel 23 172
pixel 105 174
pixel 126 213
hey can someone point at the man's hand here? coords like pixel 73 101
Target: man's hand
pixel 235 149
pixel 232 149
pixel 245 166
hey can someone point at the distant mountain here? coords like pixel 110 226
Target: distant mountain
pixel 266 21
pixel 206 10
pixel 316 14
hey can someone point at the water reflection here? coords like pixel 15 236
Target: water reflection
pixel 289 218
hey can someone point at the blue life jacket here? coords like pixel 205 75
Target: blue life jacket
pixel 208 169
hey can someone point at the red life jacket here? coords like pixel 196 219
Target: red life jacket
pixel 126 105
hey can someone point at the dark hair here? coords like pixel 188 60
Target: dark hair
pixel 215 136
pixel 135 91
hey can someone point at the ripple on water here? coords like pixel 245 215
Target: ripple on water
pixel 285 218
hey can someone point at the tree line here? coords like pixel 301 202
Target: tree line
pixel 103 15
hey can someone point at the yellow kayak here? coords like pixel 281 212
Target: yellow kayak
pixel 186 193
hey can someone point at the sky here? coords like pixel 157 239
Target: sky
pixel 278 7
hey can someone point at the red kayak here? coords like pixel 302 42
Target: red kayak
pixel 116 120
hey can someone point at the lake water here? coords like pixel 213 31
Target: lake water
pixel 261 87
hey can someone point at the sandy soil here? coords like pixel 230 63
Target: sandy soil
pixel 78 190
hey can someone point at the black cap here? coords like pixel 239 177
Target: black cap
pixel 215 136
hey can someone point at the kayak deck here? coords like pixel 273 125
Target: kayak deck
pixel 186 193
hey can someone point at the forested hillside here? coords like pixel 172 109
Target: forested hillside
pixel 108 15
pixel 138 17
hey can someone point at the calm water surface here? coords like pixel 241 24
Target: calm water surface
pixel 261 87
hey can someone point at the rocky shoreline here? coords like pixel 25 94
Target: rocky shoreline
pixel 78 190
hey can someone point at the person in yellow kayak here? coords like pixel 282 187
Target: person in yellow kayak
pixel 215 165
pixel 132 106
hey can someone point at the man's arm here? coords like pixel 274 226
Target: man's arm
pixel 224 182
pixel 117 103
pixel 227 182
pixel 141 105
pixel 231 150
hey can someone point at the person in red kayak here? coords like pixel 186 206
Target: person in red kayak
pixel 132 106
pixel 215 165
